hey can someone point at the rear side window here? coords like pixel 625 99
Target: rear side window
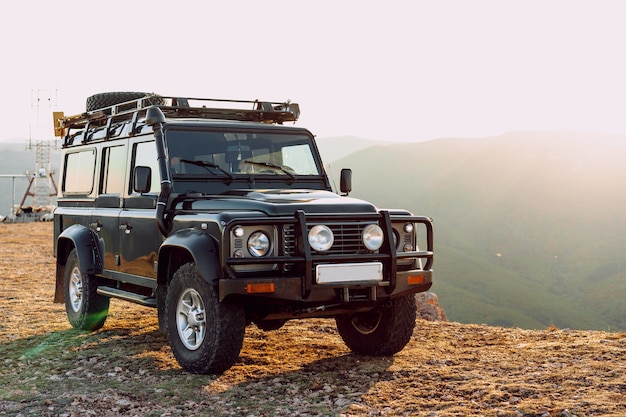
pixel 79 172
pixel 113 169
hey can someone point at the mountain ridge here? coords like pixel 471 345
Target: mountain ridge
pixel 546 207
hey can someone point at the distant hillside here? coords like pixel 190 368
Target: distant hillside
pixel 530 227
pixel 335 148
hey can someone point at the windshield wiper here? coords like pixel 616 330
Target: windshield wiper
pixel 206 165
pixel 270 165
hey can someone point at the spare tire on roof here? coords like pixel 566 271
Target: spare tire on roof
pixel 100 100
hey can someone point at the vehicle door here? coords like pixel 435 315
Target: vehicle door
pixel 105 216
pixel 139 236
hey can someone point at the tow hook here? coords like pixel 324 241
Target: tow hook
pixel 313 309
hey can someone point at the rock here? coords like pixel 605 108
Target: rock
pixel 428 307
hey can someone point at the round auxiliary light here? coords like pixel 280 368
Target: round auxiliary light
pixel 373 237
pixel 238 231
pixel 259 244
pixel 408 227
pixel 321 238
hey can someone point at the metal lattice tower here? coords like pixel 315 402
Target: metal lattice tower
pixel 42 188
pixel 43 184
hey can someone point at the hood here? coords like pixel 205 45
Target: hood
pixel 280 202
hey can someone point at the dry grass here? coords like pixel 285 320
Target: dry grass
pixel 448 369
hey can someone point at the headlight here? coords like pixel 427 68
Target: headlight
pixel 258 244
pixel 321 238
pixel 373 237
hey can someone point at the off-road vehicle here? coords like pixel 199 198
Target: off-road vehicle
pixel 221 215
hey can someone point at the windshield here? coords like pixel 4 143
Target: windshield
pixel 200 153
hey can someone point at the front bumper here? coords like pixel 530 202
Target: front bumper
pixel 291 288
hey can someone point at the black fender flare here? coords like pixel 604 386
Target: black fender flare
pixel 202 248
pixel 89 249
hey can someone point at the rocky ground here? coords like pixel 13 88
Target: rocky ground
pixel 303 369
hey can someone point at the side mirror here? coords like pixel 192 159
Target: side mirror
pixel 345 183
pixel 142 180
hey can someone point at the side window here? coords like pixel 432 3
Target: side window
pixel 144 154
pixel 113 168
pixel 79 172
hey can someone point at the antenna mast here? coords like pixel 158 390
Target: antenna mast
pixel 42 187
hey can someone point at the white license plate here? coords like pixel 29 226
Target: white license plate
pixel 355 272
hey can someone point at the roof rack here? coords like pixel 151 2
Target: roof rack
pixel 182 107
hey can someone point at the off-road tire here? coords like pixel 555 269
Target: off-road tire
pixel 86 309
pixel 100 100
pixel 205 335
pixel 382 332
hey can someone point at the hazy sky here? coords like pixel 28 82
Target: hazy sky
pixel 397 70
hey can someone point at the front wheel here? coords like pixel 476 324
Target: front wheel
pixel 381 332
pixel 206 336
pixel 86 309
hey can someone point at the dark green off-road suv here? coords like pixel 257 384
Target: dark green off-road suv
pixel 219 215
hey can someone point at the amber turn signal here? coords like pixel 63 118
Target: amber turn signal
pixel 260 288
pixel 415 279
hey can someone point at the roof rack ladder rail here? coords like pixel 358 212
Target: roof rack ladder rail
pixel 86 132
pixel 133 123
pixel 107 128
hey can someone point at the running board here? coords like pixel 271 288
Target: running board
pixel 127 296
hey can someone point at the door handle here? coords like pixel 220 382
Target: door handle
pixel 126 227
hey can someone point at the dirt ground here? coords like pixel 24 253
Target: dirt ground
pixel 303 369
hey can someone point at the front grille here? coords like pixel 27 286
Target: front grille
pixel 348 238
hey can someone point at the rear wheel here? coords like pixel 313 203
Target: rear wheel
pixel 205 335
pixel 86 309
pixel 381 332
